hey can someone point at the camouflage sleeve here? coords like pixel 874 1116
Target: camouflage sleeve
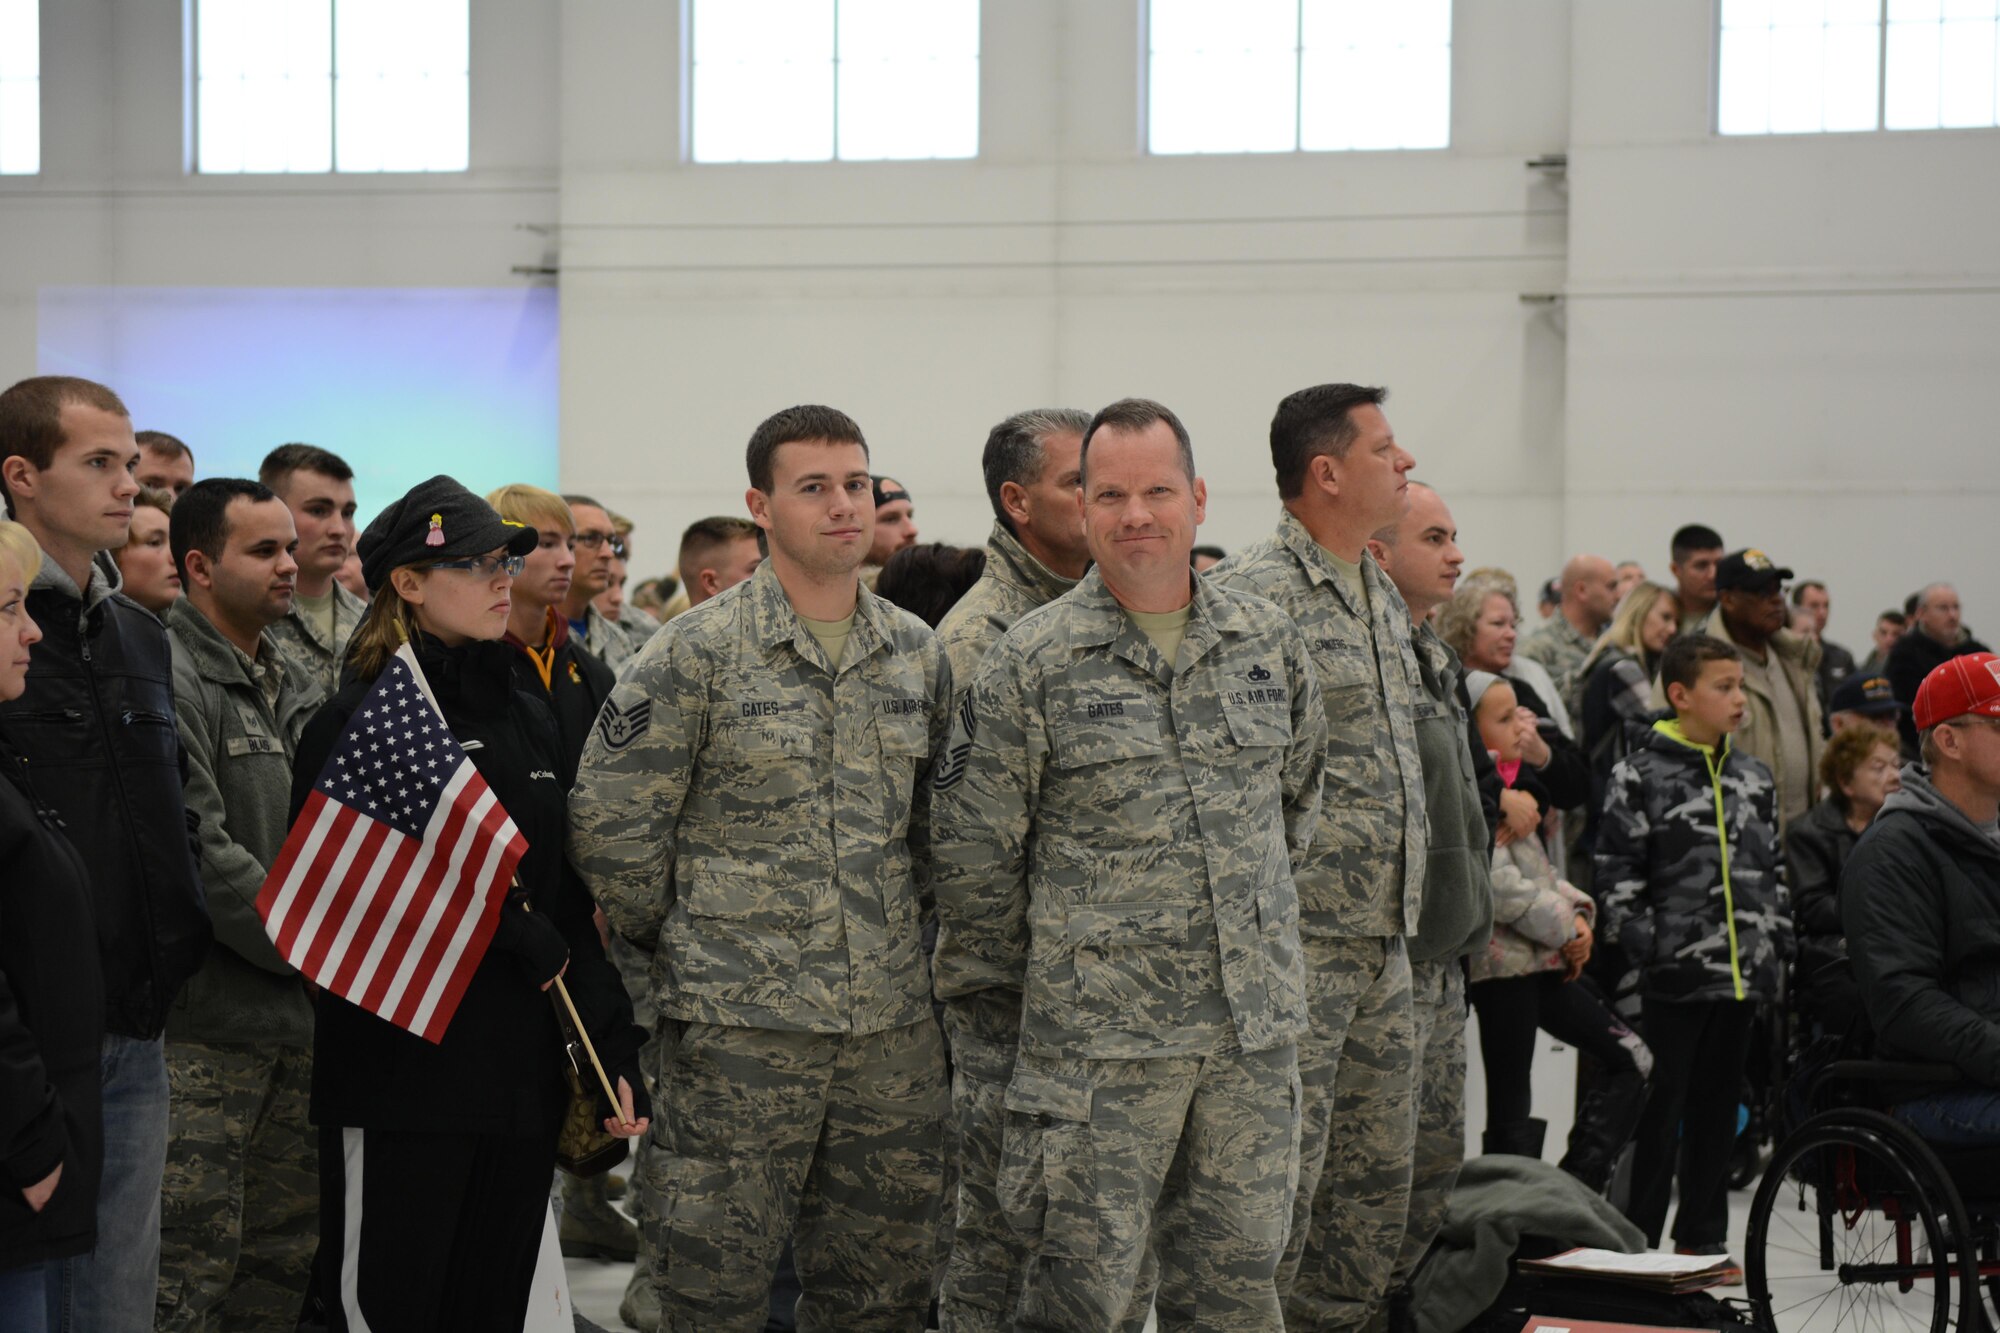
pixel 1305 762
pixel 230 875
pixel 920 841
pixel 984 791
pixel 1774 856
pixel 1621 859
pixel 631 783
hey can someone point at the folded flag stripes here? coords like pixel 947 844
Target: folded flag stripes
pixel 389 885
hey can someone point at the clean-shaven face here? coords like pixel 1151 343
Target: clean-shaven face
pixel 1140 507
pixel 820 510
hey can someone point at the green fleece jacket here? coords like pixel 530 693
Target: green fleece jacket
pixel 1457 916
pixel 239 746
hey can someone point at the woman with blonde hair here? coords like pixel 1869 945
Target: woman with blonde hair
pixel 51 1006
pixel 1618 676
pixel 435 1159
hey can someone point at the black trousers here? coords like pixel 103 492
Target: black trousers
pixel 1698 1052
pixel 1512 1009
pixel 430 1233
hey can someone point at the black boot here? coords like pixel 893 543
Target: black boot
pixel 1522 1138
pixel 1604 1125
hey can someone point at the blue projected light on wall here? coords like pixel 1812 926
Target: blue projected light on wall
pixel 402 382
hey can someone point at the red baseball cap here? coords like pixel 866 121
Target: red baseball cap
pixel 1968 684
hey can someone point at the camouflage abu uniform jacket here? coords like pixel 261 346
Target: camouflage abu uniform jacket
pixel 1013 584
pixel 1364 877
pixel 765 819
pixel 300 638
pixel 1561 649
pixel 1689 876
pixel 1115 840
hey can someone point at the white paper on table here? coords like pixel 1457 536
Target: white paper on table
pixel 549 1309
pixel 1635 1265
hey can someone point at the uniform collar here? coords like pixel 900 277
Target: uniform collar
pixel 774 622
pixel 214 655
pixel 1098 620
pixel 1320 569
pixel 1011 562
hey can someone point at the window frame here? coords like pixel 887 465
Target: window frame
pixel 1881 125
pixel 34 10
pixel 1145 83
pixel 689 60
pixel 192 111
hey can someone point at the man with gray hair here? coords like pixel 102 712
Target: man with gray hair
pixel 1035 554
pixel 1936 635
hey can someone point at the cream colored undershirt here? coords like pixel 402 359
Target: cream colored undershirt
pixel 1351 571
pixel 319 611
pixel 832 636
pixel 1165 628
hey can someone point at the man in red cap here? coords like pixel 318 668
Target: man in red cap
pixel 1920 899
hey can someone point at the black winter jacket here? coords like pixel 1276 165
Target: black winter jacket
pixel 499 1067
pixel 1817 845
pixel 97 724
pixel 577 686
pixel 1920 898
pixel 51 1030
pixel 1913 657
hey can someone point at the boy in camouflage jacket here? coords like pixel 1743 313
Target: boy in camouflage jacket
pixel 1690 884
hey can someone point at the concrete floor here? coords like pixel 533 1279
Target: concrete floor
pixel 596 1287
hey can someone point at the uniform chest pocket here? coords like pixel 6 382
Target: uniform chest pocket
pixel 1089 731
pixel 763 740
pixel 1258 726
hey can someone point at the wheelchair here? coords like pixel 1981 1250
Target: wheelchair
pixel 1859 1224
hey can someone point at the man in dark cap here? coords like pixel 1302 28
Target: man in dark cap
pixel 895 525
pixel 1783 725
pixel 1864 701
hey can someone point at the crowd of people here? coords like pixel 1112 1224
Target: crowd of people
pixel 1040 936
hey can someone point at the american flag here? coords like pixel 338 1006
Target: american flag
pixel 388 886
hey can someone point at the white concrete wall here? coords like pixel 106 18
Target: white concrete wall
pixel 1062 266
pixel 1791 339
pixel 115 204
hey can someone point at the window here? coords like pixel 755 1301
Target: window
pixel 815 80
pixel 20 88
pixel 331 85
pixel 1813 66
pixel 1280 76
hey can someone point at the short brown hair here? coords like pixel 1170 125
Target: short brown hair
pixel 31 418
pixel 155 497
pixel 705 536
pixel 1315 421
pixel 808 421
pixel 1846 752
pixel 166 446
pixel 283 461
pixel 1133 415
pixel 1681 664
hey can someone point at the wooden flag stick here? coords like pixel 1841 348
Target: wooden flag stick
pixel 617 1107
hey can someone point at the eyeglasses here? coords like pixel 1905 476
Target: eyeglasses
pixel 592 540
pixel 486 566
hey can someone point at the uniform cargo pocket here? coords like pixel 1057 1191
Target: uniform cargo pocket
pixel 743 931
pixel 1047 1181
pixel 1254 726
pixel 1129 959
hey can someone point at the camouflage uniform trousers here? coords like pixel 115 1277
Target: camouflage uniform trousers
pixel 986 1257
pixel 1438 1005
pixel 239 1209
pixel 1193 1157
pixel 833 1140
pixel 1358 1133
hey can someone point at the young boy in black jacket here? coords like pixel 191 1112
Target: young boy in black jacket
pixel 1689 883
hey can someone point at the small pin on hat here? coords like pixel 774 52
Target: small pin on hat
pixel 436 535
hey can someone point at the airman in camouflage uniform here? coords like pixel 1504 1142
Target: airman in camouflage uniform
pixel 306 642
pixel 1421 557
pixel 1030 466
pixel 1116 829
pixel 1361 886
pixel 753 801
pixel 239 1214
